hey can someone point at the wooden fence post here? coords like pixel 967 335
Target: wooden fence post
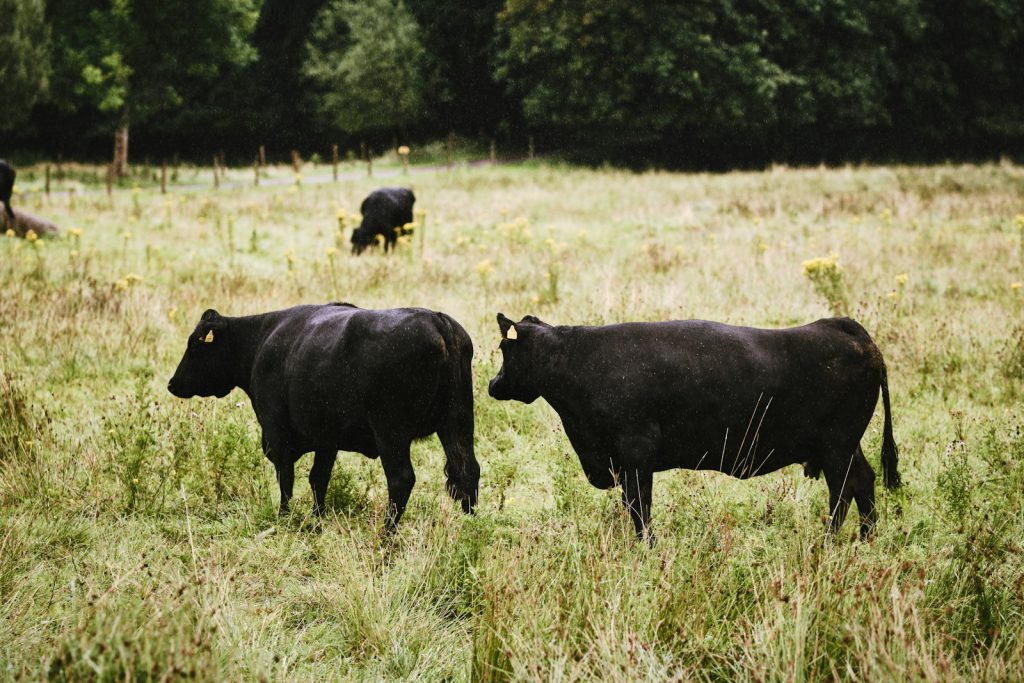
pixel 296 161
pixel 530 149
pixel 216 177
pixel 163 177
pixel 47 180
pixel 256 172
pixel 451 149
pixel 334 160
pixel 494 152
pixel 263 156
pixel 110 181
pixel 369 162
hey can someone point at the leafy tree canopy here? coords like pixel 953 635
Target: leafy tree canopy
pixel 365 63
pixel 24 59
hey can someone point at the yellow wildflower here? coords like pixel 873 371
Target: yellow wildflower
pixel 121 285
pixel 31 235
pixel 822 264
pixel 902 278
pixel 331 251
pixel 75 232
pixel 135 189
pixel 132 278
pixel 1014 285
pixel 10 232
pixel 404 150
pixel 127 236
pixel 172 314
pixel 484 267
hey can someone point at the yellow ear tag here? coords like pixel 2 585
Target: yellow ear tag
pixel 512 334
pixel 209 337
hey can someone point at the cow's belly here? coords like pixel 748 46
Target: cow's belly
pixel 751 437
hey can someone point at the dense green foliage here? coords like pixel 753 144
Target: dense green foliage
pixel 709 82
pixel 139 538
pixel 134 59
pixel 24 59
pixel 365 61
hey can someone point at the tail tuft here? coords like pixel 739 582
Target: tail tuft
pixel 890 454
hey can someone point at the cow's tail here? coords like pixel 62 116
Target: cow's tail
pixel 456 426
pixel 890 454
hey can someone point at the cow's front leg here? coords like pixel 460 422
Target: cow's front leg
pixel 319 477
pixel 636 496
pixel 286 482
pixel 394 457
pixel 284 467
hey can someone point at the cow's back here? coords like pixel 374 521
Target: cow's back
pixel 388 207
pixel 337 366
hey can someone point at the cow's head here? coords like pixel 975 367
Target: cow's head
pixel 517 378
pixel 362 240
pixel 205 369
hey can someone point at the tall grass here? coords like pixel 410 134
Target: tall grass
pixel 139 536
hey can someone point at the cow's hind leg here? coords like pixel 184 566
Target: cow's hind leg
pixel 394 457
pixel 838 469
pixel 862 480
pixel 320 476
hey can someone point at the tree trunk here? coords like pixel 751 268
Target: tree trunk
pixel 121 149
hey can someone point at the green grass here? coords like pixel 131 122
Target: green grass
pixel 139 536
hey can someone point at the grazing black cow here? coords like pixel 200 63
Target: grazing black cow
pixel 7 175
pixel 336 377
pixel 640 398
pixel 385 212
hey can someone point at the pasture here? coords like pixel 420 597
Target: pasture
pixel 139 536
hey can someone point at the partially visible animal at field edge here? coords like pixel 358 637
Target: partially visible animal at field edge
pixel 640 398
pixel 7 176
pixel 385 213
pixel 23 222
pixel 332 377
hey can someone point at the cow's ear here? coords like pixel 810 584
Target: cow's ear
pixel 209 314
pixel 504 324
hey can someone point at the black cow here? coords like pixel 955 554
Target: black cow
pixel 640 398
pixel 336 377
pixel 7 176
pixel 385 212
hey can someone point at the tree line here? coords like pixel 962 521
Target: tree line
pixel 705 83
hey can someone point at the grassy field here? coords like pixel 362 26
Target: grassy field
pixel 138 533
